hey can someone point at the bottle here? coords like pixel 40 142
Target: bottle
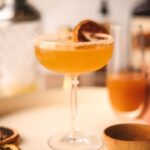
pixel 104 12
pixel 19 23
pixel 141 17
pixel 105 21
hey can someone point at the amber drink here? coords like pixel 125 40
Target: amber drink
pixel 127 90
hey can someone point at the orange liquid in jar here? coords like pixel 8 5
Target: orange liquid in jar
pixel 127 90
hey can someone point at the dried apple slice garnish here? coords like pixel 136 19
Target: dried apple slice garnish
pixel 9 147
pixel 87 30
pixel 8 136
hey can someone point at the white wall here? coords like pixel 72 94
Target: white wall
pixel 69 12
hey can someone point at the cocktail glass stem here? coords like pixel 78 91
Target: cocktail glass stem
pixel 74 106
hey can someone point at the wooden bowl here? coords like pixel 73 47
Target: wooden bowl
pixel 127 137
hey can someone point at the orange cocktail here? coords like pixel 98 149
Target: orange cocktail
pixel 74 58
pixel 127 90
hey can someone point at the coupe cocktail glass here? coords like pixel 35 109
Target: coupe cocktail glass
pixel 56 53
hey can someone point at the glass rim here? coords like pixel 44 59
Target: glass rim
pixel 47 40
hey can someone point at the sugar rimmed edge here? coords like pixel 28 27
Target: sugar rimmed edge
pixel 51 44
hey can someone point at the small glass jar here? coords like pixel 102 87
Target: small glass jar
pixel 126 79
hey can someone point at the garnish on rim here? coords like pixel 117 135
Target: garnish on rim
pixel 88 30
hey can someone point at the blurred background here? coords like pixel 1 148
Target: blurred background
pixel 56 13
pixel 22 20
